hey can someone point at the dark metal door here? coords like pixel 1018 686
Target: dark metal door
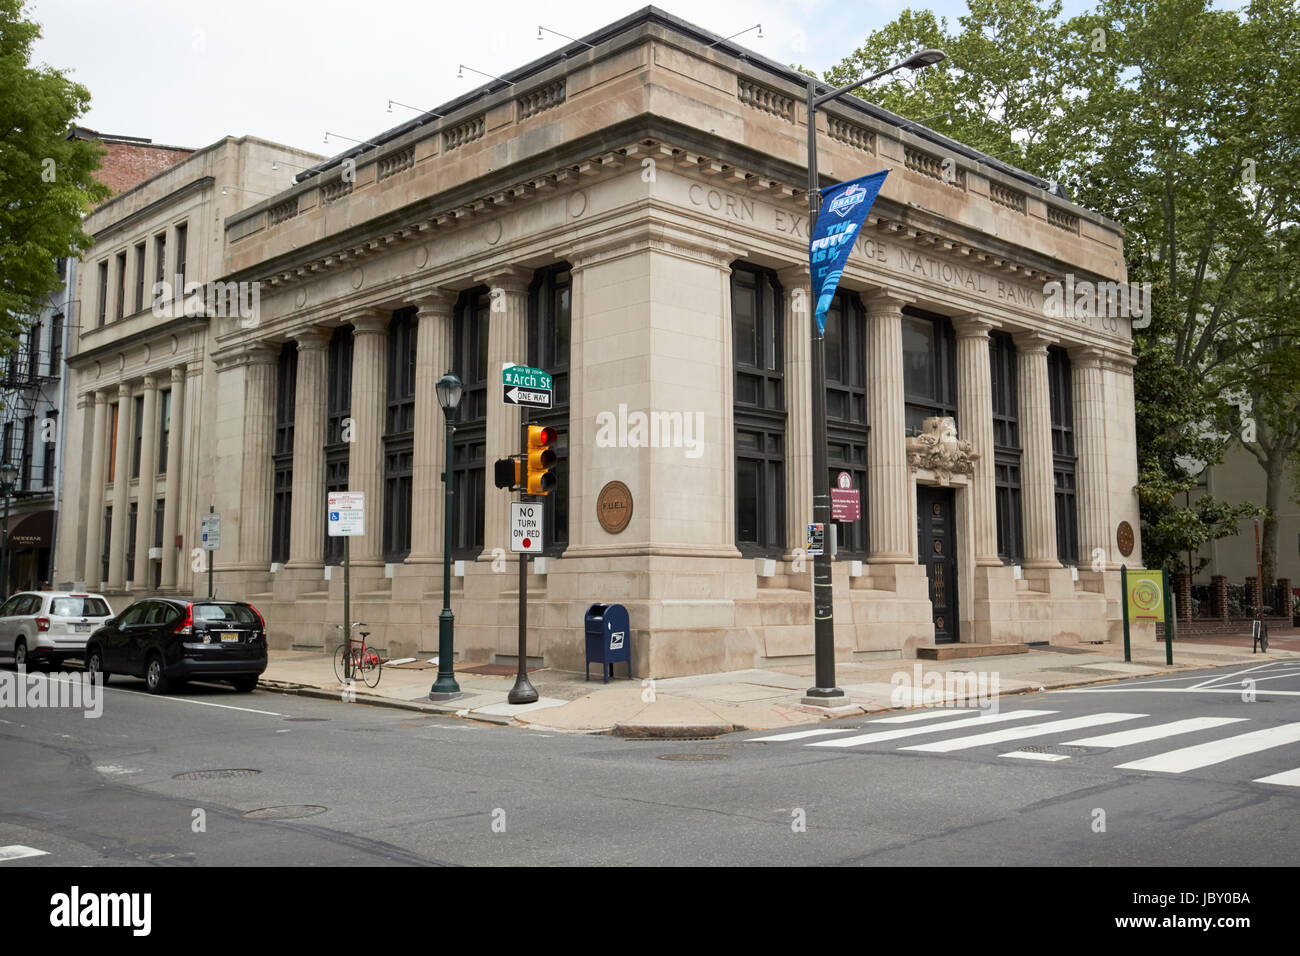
pixel 936 545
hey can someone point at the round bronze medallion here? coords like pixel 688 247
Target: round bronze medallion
pixel 938 623
pixel 938 546
pixel 614 507
pixel 1124 538
pixel 936 508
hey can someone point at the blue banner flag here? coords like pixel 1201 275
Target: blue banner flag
pixel 844 210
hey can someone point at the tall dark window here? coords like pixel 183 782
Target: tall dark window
pixel 1006 447
pixel 132 528
pixel 102 310
pixel 929 368
pixel 399 436
pixel 182 240
pixel 159 510
pixel 846 411
pixel 1064 460
pixel 34 352
pixel 139 276
pixel 549 318
pixel 286 383
pixel 758 356
pixel 469 361
pixel 137 434
pixel 108 544
pixel 160 257
pixel 338 407
pixel 25 463
pixel 56 344
pixel 47 461
pixel 164 429
pixel 119 310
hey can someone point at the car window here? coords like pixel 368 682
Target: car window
pixel 225 612
pixel 162 613
pixel 79 607
pixel 135 613
pixel 31 604
pixel 7 609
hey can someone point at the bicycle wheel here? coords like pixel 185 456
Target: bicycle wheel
pixel 371 666
pixel 339 656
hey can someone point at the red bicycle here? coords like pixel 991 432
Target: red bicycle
pixel 363 661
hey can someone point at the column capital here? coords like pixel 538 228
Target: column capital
pixel 177 373
pixel 973 325
pixel 150 383
pixel 124 390
pixel 1085 356
pixel 795 274
pixel 310 337
pixel 370 321
pixel 510 278
pixel 435 301
pixel 884 302
pixel 102 396
pixel 1031 342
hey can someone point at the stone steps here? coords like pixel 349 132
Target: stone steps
pixel 951 652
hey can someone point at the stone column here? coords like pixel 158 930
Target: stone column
pixel 172 492
pixel 144 497
pixel 975 423
pixel 1093 495
pixel 798 405
pixel 507 342
pixel 307 507
pixel 433 346
pixel 366 454
pixel 257 478
pixel 890 529
pixel 94 492
pixel 121 489
pixel 1037 488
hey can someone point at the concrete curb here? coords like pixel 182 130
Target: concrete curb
pixel 674 731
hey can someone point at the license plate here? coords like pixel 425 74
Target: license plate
pixel 81 629
pixel 228 636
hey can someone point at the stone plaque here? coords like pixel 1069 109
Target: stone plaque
pixel 1124 538
pixel 614 507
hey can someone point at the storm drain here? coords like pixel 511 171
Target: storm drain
pixel 213 774
pixel 285 813
pixel 694 756
pixel 1060 749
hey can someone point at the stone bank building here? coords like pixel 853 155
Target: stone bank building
pixel 630 215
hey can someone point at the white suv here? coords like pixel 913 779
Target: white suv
pixel 49 626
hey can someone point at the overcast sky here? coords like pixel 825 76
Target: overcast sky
pixel 187 72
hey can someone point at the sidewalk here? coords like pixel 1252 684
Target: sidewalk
pixel 711 704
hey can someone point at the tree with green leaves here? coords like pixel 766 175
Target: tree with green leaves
pixel 46 180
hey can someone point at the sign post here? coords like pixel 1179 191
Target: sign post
pixel 210 534
pixel 526 537
pixel 347 519
pixel 1145 601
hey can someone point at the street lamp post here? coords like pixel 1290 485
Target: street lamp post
pixel 825 693
pixel 8 473
pixel 449 389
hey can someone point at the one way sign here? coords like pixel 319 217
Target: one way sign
pixel 523 385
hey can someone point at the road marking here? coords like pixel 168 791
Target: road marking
pixel 1217 751
pixel 925 715
pixel 801 734
pixel 17 851
pixel 979 720
pixel 1287 778
pixel 1123 738
pixel 1180 690
pixel 1221 677
pixel 1020 733
pixel 1030 755
pixel 200 703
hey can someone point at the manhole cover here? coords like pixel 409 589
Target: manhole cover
pixel 694 756
pixel 213 774
pixel 285 813
pixel 305 720
pixel 1055 749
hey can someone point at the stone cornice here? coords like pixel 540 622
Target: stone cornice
pixel 655 236
pixel 250 353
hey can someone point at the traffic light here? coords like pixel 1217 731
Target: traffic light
pixel 541 457
pixel 506 473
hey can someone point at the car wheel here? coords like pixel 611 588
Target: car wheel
pixel 155 680
pixel 244 684
pixel 95 664
pixel 20 654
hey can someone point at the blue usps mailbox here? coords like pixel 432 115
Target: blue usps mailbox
pixel 609 639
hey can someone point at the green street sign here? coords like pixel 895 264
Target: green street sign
pixel 524 385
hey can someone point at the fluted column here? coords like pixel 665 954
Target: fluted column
pixel 121 488
pixel 432 358
pixel 144 498
pixel 1090 445
pixel 366 453
pixel 257 481
pixel 888 487
pixel 172 487
pixel 507 343
pixel 798 405
pixel 307 504
pixel 94 492
pixel 975 423
pixel 1037 488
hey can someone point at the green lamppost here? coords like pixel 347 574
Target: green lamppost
pixel 449 389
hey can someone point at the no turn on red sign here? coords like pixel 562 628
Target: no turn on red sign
pixel 526 519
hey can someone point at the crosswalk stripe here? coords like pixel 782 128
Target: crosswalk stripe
pixel 923 715
pixel 17 851
pixel 1020 733
pixel 1217 751
pixel 1287 778
pixel 1031 755
pixel 801 734
pixel 1124 738
pixel 979 720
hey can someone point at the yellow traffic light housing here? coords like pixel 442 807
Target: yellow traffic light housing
pixel 541 458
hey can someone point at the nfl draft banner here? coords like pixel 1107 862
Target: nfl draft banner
pixel 844 210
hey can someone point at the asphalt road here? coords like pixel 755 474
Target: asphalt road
pixel 1179 771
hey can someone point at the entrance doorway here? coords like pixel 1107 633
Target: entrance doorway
pixel 936 545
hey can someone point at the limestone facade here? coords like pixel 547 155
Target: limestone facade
pixel 628 186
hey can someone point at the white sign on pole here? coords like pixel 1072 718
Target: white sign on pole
pixel 526 527
pixel 210 532
pixel 347 514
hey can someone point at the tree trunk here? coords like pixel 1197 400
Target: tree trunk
pixel 1275 472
